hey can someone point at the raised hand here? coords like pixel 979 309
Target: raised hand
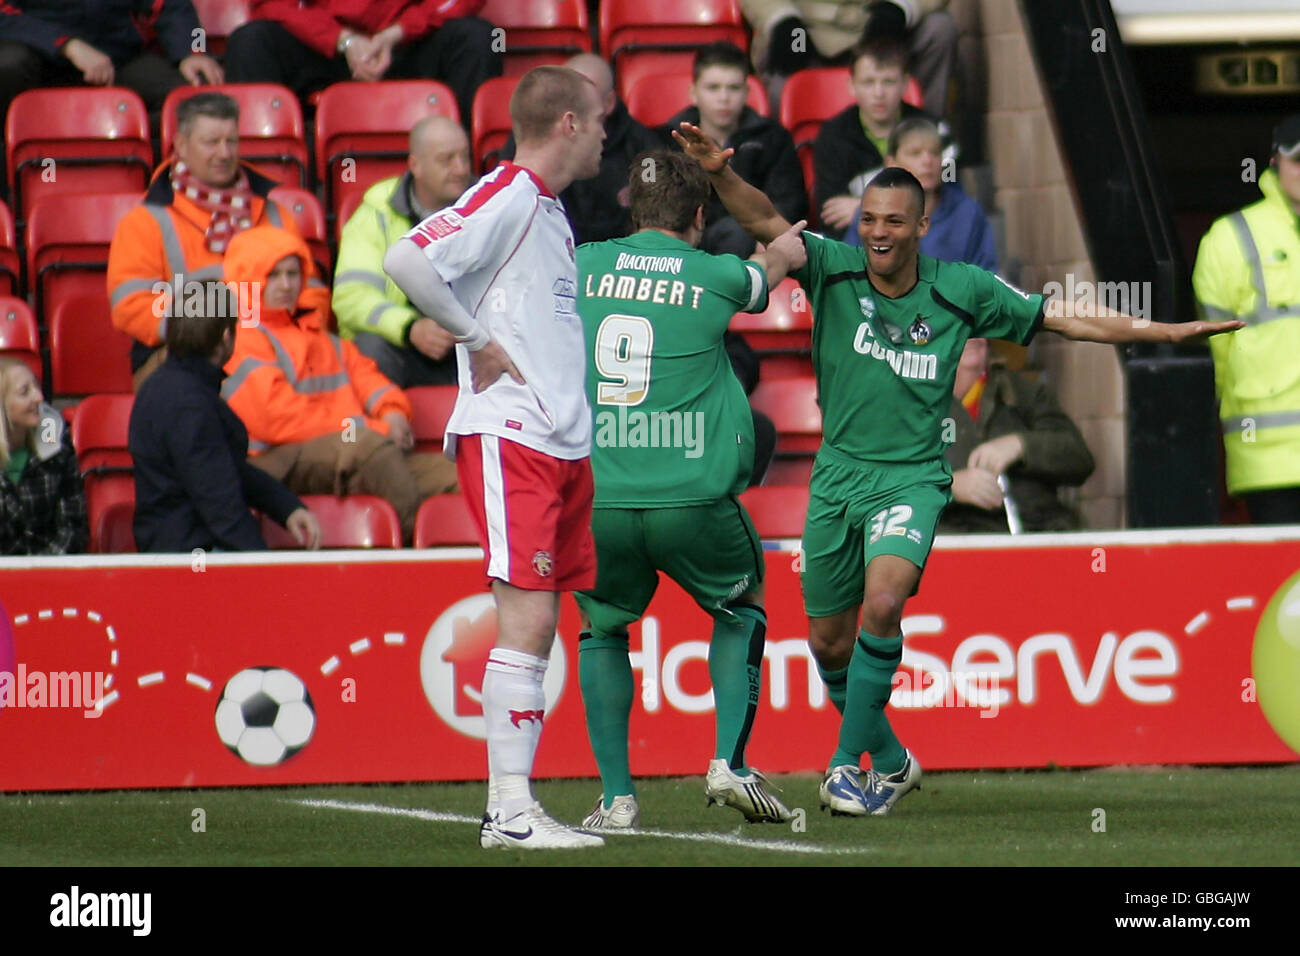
pixel 1192 332
pixel 700 147
pixel 790 246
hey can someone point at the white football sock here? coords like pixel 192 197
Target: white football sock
pixel 513 706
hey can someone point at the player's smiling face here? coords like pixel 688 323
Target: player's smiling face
pixel 891 227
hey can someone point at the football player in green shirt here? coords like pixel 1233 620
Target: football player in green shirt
pixel 673 444
pixel 887 338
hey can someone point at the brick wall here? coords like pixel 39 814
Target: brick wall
pixel 1042 232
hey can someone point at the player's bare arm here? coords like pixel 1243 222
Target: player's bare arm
pixel 750 207
pixel 1108 326
pixel 783 254
pixel 429 292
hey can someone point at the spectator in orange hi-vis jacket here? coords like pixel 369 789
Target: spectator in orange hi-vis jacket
pixel 320 415
pixel 178 236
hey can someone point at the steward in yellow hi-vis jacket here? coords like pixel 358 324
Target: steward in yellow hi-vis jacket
pixel 1248 268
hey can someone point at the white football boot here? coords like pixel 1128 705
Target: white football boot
pixel 532 829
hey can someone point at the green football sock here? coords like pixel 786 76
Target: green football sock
pixel 865 728
pixel 837 682
pixel 605 676
pixel 735 667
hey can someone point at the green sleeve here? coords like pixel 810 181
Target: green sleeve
pixel 1001 310
pixel 365 299
pixel 811 273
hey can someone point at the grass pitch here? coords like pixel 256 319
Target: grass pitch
pixel 1112 817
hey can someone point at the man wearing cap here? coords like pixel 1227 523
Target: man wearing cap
pixel 1248 268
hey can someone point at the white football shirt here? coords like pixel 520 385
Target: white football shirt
pixel 506 250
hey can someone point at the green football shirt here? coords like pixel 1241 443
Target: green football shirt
pixel 885 367
pixel 672 425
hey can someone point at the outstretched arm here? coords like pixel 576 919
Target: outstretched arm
pixel 1108 326
pixel 751 208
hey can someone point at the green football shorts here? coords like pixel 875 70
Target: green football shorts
pixel 857 512
pixel 711 550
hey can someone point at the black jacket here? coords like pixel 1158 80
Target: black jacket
pixel 597 207
pixel 764 158
pixel 45 513
pixel 116 28
pixel 842 152
pixel 193 484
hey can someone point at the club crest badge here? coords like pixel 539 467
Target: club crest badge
pixel 919 331
pixel 868 305
pixel 543 564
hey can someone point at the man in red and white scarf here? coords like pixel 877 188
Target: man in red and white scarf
pixel 195 205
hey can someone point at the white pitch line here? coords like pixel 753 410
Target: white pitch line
pixel 721 839
pixel 1239 603
pixel 359 647
pixel 330 666
pixel 1196 623
pixel 393 637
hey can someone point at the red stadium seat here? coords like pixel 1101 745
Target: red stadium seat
pixel 310 219
pixel 539 31
pixel 778 511
pixel 808 99
pixel 19 337
pixel 491 119
pixel 665 31
pixel 912 94
pixel 9 263
pixel 445 521
pixel 347 206
pixel 789 471
pixel 785 324
pixel 75 140
pixel 363 131
pixel 657 97
pixel 99 431
pixel 67 244
pixel 112 532
pixel 271 132
pixel 431 406
pixel 357 521
pixel 87 354
pixel 792 405
pixel 107 494
pixel 219 19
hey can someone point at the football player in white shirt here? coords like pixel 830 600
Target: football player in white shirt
pixel 497 270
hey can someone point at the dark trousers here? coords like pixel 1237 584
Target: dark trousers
pixel 406 367
pixel 459 53
pixel 1275 506
pixel 22 68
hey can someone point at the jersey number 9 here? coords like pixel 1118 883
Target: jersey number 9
pixel 623 350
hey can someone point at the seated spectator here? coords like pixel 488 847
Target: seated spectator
pixel 598 208
pixel 55 43
pixel 850 147
pixel 310 44
pixel 764 152
pixel 959 231
pixel 196 202
pixel 320 416
pixel 925 30
pixel 193 483
pixel 410 349
pixel 1007 425
pixel 42 498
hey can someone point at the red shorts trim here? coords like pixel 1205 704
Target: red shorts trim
pixel 532 511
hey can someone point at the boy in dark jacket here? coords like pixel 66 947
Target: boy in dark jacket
pixel 193 484
pixel 852 145
pixel 764 152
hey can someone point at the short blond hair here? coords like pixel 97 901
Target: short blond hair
pixel 542 98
